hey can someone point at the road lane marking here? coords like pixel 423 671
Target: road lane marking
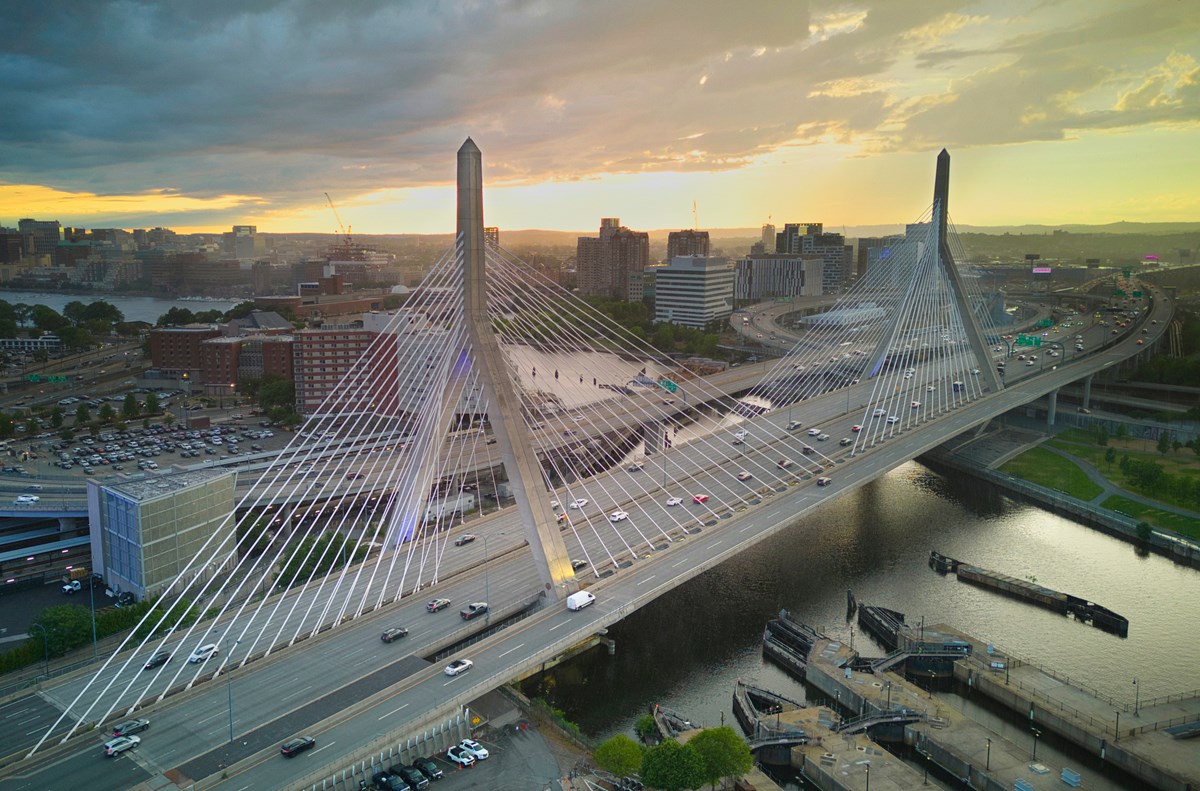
pixel 31 719
pixel 509 651
pixel 552 628
pixel 319 749
pixel 643 582
pixel 393 711
pixel 680 563
pixel 297 692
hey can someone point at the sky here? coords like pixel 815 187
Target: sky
pixel 666 113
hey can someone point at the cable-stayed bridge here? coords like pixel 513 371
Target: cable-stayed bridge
pixel 629 460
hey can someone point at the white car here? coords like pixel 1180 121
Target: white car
pixel 812 432
pixel 204 653
pixel 120 744
pixel 879 412
pixel 618 516
pixel 744 476
pixel 459 666
pixel 26 499
pixel 578 503
pixel 892 419
pixel 474 748
pixel 673 501
pixel 740 434
pixel 458 755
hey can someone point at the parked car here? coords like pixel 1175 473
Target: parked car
pixel 458 755
pixel 474 748
pixel 428 767
pixel 393 634
pixel 130 727
pixel 120 744
pixel 415 779
pixel 204 653
pixel 459 666
pixel 386 781
pixel 473 610
pixel 159 658
pixel 295 746
pixel 433 605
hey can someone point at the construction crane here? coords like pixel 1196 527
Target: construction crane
pixel 345 231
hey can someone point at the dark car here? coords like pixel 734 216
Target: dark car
pixel 428 767
pixel 393 634
pixel 465 538
pixel 130 727
pixel 433 605
pixel 411 775
pixel 386 781
pixel 473 610
pixel 297 746
pixel 159 658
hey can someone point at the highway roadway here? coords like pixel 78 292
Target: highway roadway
pixel 337 658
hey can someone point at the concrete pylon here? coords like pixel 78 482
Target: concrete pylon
pixel 958 291
pixel 504 405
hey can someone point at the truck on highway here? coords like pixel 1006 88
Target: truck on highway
pixel 449 506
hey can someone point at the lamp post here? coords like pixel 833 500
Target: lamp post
pixel 868 768
pixel 92 602
pixel 1136 697
pixel 229 682
pixel 1036 734
pixel 987 766
pixel 1117 730
pixel 45 647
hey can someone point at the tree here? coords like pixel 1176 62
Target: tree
pixel 7 426
pixel 75 311
pixel 671 766
pixel 107 413
pixel 723 752
pixel 1101 436
pixel 645 728
pixel 619 755
pixel 1110 455
pixel 129 407
pixel 82 414
pixel 47 319
pixel 1122 432
pixel 168 419
pixel 1144 531
pixel 152 407
pixel 68 626
pixel 175 317
pixel 1164 443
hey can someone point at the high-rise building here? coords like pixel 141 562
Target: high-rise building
pixel 41 236
pixel 776 275
pixel 491 236
pixel 686 243
pixel 866 250
pixel 768 237
pixel 611 265
pixel 809 237
pixel 693 290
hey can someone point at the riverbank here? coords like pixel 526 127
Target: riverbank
pixel 986 455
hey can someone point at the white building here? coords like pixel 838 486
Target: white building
pixel 694 290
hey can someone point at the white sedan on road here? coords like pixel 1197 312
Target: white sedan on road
pixel 204 653
pixel 459 666
pixel 618 516
pixel 578 503
pixel 673 501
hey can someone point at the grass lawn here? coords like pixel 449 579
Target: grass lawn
pixel 1160 519
pixel 1183 463
pixel 1048 469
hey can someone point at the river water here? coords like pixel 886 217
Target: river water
pixel 134 308
pixel 686 649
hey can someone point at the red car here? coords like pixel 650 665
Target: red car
pixel 699 498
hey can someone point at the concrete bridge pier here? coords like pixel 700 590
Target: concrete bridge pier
pixel 1087 392
pixel 1051 406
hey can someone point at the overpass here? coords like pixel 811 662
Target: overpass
pixel 739 481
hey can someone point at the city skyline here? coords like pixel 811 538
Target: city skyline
pixel 202 118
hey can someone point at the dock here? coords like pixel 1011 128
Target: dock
pixel 873 702
pixel 1079 609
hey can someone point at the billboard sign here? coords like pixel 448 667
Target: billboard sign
pixel 1042 270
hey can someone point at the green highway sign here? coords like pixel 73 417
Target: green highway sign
pixel 668 385
pixel 1046 323
pixel 1137 294
pixel 1118 293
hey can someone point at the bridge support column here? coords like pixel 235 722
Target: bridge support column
pixel 1087 392
pixel 1052 407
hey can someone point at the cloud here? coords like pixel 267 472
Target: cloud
pixel 280 101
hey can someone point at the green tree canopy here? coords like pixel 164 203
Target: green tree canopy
pixel 175 317
pixel 67 627
pixel 723 752
pixel 671 766
pixel 48 319
pixel 152 406
pixel 129 407
pixel 619 755
pixel 82 414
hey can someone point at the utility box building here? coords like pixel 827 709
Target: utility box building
pixel 146 531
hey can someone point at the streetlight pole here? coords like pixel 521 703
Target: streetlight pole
pixel 987 767
pixel 868 768
pixel 229 682
pixel 1136 697
pixel 45 647
pixel 1117 730
pixel 487 615
pixel 1036 734
pixel 92 601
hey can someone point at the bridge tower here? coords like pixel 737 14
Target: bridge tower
pixel 941 203
pixel 504 406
